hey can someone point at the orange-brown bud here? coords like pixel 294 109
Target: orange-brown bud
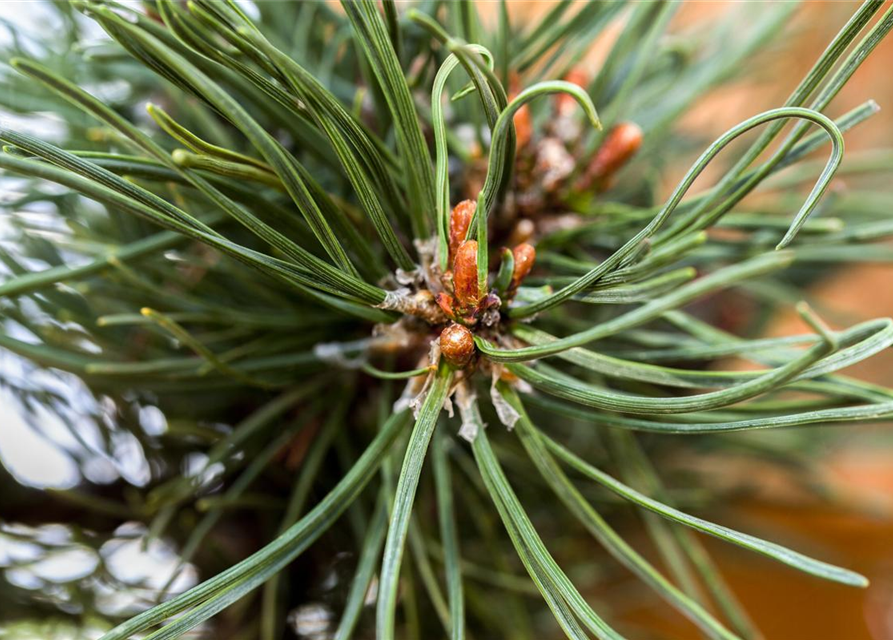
pixel 524 255
pixel 465 275
pixel 577 76
pixel 621 144
pixel 514 85
pixel 522 232
pixel 521 119
pixel 523 126
pixel 565 103
pixel 457 345
pixel 460 219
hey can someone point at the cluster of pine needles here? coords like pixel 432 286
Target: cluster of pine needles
pixel 405 281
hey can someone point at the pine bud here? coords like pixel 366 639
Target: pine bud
pixel 621 144
pixel 524 255
pixel 460 219
pixel 522 232
pixel 523 126
pixel 456 345
pixel 465 275
pixel 565 104
pixel 521 119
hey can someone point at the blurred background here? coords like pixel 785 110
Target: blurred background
pixel 840 508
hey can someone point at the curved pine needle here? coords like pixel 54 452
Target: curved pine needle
pixel 713 282
pixel 441 162
pixel 866 339
pixel 770 549
pixel 579 392
pixel 618 257
pixel 879 412
pixel 499 141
